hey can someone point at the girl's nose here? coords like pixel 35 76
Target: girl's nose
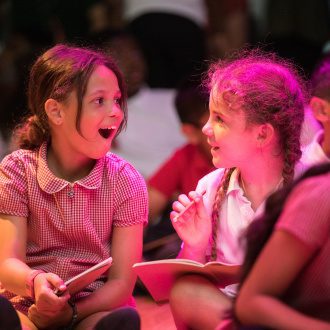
pixel 207 129
pixel 115 111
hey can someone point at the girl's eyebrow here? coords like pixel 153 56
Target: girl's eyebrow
pixel 218 113
pixel 102 91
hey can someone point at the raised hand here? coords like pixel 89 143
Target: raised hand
pixel 191 221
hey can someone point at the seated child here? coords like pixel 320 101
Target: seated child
pixel 285 282
pixel 255 144
pixel 67 203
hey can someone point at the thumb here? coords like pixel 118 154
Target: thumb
pixel 56 282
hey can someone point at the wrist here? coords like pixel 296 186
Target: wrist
pixel 29 283
pixel 193 253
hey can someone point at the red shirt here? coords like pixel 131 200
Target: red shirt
pixel 70 225
pixel 181 172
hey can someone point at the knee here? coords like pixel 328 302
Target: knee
pixel 189 291
pixel 125 318
pixel 198 303
pixel 204 304
pixel 183 291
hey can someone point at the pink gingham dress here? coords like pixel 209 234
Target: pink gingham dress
pixel 69 225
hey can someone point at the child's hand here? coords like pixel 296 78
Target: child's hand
pixel 50 319
pixel 46 300
pixel 193 225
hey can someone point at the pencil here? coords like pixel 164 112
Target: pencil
pixel 187 207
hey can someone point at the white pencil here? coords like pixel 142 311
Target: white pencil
pixel 175 219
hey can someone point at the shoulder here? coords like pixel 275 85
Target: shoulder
pixel 117 166
pixel 212 178
pixel 313 152
pixel 20 158
pixel 306 212
pixel 315 188
pixel 210 183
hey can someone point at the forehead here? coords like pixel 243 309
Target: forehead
pixel 217 103
pixel 227 109
pixel 102 78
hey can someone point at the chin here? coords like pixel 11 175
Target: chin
pixel 98 153
pixel 219 163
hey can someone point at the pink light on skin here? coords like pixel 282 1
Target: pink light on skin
pixel 188 206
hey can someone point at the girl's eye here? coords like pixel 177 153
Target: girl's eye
pixel 218 119
pixel 117 100
pixel 99 101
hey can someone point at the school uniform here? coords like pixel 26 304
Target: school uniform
pixel 69 225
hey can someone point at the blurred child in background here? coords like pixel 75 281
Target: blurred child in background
pixel 180 173
pixel 319 149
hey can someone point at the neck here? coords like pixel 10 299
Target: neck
pixel 261 179
pixel 67 166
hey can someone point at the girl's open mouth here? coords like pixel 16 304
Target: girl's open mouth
pixel 106 132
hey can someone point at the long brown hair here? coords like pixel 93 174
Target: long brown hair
pixel 55 74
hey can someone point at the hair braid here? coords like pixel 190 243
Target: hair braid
pixel 31 133
pixel 219 198
pixel 290 159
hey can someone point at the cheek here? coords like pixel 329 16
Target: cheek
pixel 221 134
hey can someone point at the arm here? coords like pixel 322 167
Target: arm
pixel 126 250
pixel 258 301
pixel 14 271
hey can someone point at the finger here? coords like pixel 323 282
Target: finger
pixel 56 282
pixel 186 213
pixel 178 207
pixel 200 207
pixel 184 199
pixel 32 308
pixel 175 219
pixel 173 214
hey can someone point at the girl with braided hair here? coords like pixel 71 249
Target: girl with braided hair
pixel 256 113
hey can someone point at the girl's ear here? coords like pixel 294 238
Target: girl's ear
pixel 320 108
pixel 265 134
pixel 53 111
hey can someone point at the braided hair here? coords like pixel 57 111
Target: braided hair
pixel 268 90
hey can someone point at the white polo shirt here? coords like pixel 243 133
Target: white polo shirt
pixel 313 153
pixel 235 216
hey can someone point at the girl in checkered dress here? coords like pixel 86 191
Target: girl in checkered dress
pixel 66 202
